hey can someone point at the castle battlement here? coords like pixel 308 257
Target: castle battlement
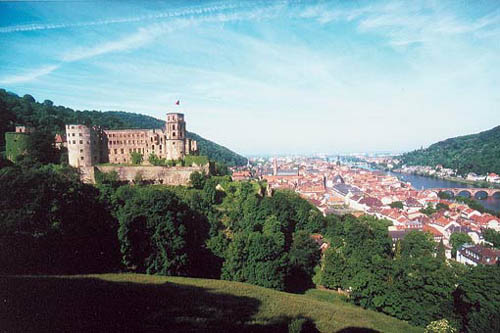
pixel 88 146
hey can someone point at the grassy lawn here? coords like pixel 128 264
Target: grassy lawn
pixel 134 302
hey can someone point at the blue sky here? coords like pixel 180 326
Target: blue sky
pixel 268 76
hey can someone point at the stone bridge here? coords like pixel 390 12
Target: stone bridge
pixel 471 191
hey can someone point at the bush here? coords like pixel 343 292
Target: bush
pixel 301 325
pixel 190 160
pixel 440 326
pixel 136 158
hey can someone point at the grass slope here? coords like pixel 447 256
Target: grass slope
pixel 134 302
pixel 479 153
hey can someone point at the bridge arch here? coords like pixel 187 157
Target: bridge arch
pixel 480 195
pixel 450 192
pixel 464 193
pixel 496 194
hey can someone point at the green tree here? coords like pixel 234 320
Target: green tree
pixel 197 180
pixel 442 206
pixel 429 210
pixel 257 258
pixel 477 299
pixel 334 265
pixel 445 195
pixel 492 236
pixel 7 119
pixel 41 147
pixel 441 251
pixel 51 223
pixel 157 232
pixel 304 255
pixel 136 158
pixel 420 290
pixel 417 244
pixel 396 204
pixel 457 239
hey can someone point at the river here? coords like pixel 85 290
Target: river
pixel 424 182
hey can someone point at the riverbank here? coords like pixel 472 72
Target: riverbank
pixel 477 184
pixel 425 182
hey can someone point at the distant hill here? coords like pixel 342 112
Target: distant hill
pixel 142 303
pixel 27 111
pixel 478 153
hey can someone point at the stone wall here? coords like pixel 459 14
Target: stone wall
pixel 156 174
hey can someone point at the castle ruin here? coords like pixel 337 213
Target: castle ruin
pixel 89 146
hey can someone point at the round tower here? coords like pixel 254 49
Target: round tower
pixel 176 135
pixel 82 146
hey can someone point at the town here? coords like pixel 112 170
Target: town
pixel 336 188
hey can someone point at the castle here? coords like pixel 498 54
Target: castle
pixel 89 146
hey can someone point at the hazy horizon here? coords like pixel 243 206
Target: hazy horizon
pixel 275 77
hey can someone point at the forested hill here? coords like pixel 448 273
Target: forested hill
pixel 27 111
pixel 479 153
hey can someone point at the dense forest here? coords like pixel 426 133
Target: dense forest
pixel 478 153
pixel 26 111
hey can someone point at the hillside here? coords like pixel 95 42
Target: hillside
pixel 134 302
pixel 479 153
pixel 27 111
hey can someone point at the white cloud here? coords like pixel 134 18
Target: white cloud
pixel 28 75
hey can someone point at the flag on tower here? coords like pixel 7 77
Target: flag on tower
pixel 178 102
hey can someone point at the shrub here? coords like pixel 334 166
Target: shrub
pixel 193 159
pixel 136 158
pixel 440 326
pixel 301 325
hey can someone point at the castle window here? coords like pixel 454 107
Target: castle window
pixel 72 134
pixel 72 127
pixel 160 147
pixel 116 160
pixel 81 142
pixel 79 134
pixel 74 142
pixel 122 150
pixel 81 158
pixel 88 142
pixel 173 133
pixel 153 147
pixel 81 150
pixel 173 127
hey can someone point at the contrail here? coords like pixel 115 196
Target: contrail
pixel 169 14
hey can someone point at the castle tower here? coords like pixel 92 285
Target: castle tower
pixel 176 135
pixel 83 146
